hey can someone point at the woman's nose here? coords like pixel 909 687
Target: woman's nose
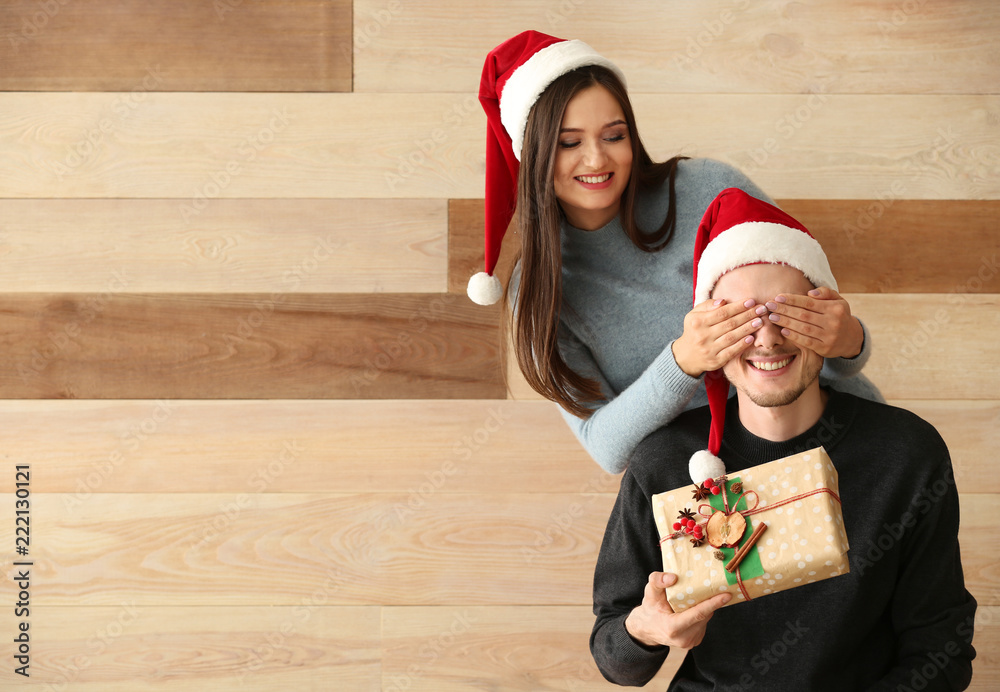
pixel 593 155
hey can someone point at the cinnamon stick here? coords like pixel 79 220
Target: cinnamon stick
pixel 745 548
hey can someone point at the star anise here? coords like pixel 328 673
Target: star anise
pixel 697 542
pixel 700 492
pixel 685 514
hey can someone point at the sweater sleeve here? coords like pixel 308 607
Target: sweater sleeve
pixel 932 612
pixel 628 554
pixel 621 422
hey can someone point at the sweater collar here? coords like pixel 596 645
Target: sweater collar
pixel 743 448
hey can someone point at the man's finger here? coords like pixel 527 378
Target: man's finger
pixel 656 588
pixel 662 580
pixel 702 612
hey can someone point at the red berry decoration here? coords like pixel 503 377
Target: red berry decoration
pixel 698 533
pixel 709 483
pixel 677 526
pixel 716 490
pixel 691 523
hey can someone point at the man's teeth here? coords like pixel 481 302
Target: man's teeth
pixel 771 366
pixel 593 178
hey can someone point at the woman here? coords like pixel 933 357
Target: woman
pixel 601 320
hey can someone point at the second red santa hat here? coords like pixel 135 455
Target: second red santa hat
pixel 739 229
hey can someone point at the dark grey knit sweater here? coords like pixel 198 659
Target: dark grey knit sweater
pixel 901 620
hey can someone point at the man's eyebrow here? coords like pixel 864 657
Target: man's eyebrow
pixel 578 129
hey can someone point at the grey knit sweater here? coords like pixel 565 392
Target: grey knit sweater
pixel 623 308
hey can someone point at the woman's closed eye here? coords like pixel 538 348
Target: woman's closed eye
pixel 572 143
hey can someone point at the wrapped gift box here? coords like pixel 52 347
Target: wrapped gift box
pixel 797 497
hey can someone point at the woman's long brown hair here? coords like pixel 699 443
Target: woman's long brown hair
pixel 534 321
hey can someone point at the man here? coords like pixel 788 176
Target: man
pixel 901 619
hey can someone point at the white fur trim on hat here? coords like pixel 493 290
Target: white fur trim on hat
pixel 484 289
pixel 705 465
pixel 761 241
pixel 529 80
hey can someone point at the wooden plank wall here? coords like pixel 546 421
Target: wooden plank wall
pixel 273 446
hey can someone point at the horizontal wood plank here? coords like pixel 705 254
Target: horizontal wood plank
pixel 421 447
pixel 894 245
pixel 143 45
pixel 466 245
pixel 468 649
pixel 933 346
pixel 246 346
pixel 127 647
pixel 230 246
pixel 200 147
pixel 261 549
pixel 950 245
pixel 971 429
pixel 706 47
pixel 431 447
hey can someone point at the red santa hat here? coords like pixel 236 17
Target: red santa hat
pixel 514 76
pixel 738 229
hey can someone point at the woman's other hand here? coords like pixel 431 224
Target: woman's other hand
pixel 716 332
pixel 820 321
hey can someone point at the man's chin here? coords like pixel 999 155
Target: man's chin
pixel 774 399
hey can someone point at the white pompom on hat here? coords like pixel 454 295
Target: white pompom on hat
pixel 515 74
pixel 736 230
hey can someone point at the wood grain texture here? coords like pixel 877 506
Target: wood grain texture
pixel 431 448
pixel 986 640
pixel 971 429
pixel 707 47
pixel 893 245
pixel 272 346
pixel 448 649
pixel 228 45
pixel 361 549
pixel 128 647
pixel 933 346
pixel 466 245
pixel 232 246
pixel 200 147
pixel 421 447
pixel 950 245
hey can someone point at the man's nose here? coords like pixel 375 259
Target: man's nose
pixel 769 335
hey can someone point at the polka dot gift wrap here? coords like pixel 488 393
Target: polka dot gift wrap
pixel 797 497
